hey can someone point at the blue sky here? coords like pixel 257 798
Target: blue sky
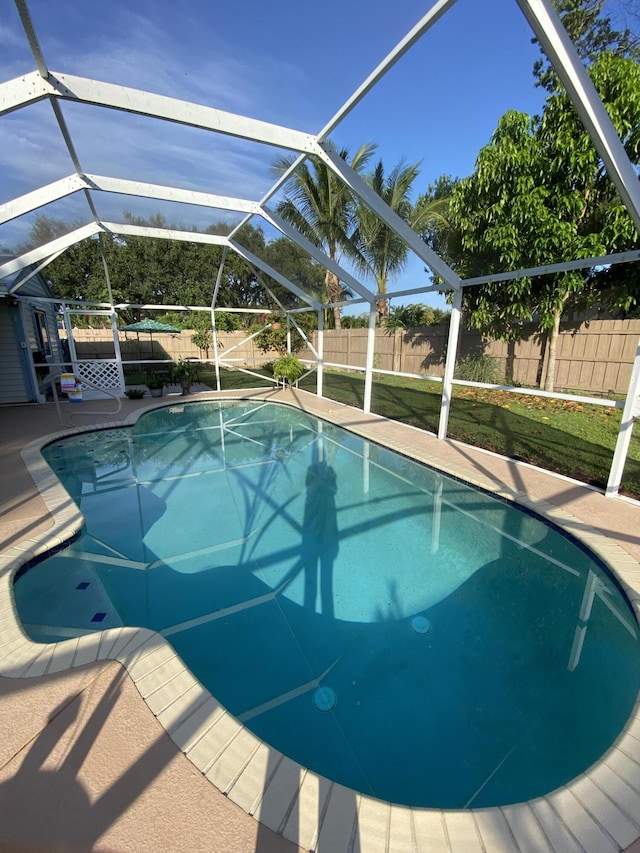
pixel 288 63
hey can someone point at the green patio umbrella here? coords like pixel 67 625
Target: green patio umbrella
pixel 150 326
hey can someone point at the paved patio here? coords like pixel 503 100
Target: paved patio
pixel 87 765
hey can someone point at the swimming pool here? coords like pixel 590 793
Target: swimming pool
pixel 410 630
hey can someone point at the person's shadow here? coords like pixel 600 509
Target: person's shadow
pixel 319 536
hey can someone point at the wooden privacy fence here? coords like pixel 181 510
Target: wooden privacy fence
pixel 98 343
pixel 594 356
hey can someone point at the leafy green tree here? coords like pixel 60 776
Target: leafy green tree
pixel 591 32
pixel 274 339
pixel 539 195
pixel 322 208
pixel 415 315
pixel 361 321
pixel 203 339
pixel 44 229
pixel 145 270
pixel 240 287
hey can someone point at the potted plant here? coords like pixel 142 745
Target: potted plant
pixel 134 393
pixel 155 384
pixel 184 373
pixel 288 369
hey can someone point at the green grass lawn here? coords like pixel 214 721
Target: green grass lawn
pixel 570 438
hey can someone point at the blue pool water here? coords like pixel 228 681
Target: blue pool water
pixel 384 625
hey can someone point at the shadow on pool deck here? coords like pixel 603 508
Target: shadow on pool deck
pixel 85 766
pixel 84 763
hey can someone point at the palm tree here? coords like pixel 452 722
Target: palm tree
pixel 381 252
pixel 321 206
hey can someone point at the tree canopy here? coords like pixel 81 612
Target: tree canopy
pixel 151 271
pixel 591 32
pixel 416 315
pixel 539 195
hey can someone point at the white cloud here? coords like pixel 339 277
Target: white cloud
pixel 131 49
pixel 33 153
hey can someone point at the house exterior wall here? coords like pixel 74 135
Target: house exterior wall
pixel 25 351
pixel 14 387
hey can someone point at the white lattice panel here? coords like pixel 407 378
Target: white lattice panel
pixel 103 374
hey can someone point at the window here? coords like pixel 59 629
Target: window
pixel 42 333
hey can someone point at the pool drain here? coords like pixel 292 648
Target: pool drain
pixel 421 624
pixel 324 699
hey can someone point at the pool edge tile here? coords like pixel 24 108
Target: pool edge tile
pixel 608 815
pixel 249 787
pixel 337 827
pixel 590 834
pixel 495 832
pixel 371 832
pixel 304 821
pixel 401 830
pixel 462 832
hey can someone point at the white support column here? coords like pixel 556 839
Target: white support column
pixel 288 334
pixel 368 370
pixel 214 341
pixel 320 355
pixel 73 355
pixel 452 348
pixel 214 330
pixel 67 326
pixel 117 351
pixel 631 411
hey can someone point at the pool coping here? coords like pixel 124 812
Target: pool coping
pixel 597 811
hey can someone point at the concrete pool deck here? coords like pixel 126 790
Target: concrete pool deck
pixel 86 759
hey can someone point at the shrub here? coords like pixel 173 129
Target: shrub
pixel 203 339
pixel 183 372
pixel 288 368
pixel 155 381
pixel 272 339
pixel 479 368
pixel 134 393
pixel 275 339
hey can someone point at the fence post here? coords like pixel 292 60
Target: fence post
pixel 396 364
pixel 371 345
pixel 320 356
pixel 631 410
pixel 450 365
pixel 116 348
